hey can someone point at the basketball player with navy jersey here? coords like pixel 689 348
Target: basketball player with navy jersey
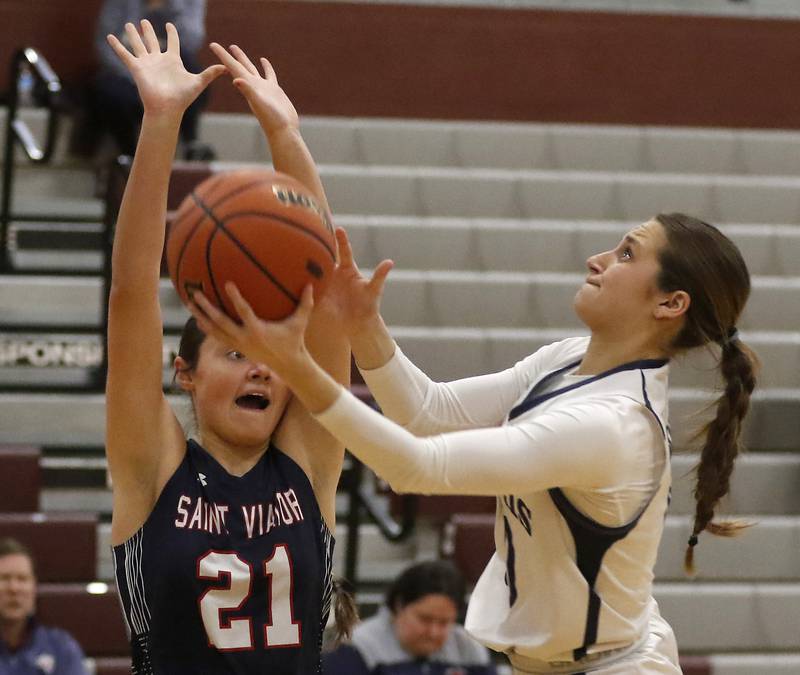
pixel 222 545
pixel 573 440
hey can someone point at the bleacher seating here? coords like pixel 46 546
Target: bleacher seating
pixel 19 478
pixel 93 616
pixel 63 545
pixel 489 225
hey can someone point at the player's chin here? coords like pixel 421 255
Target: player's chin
pixel 253 425
pixel 583 304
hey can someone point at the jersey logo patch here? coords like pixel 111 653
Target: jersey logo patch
pixel 202 478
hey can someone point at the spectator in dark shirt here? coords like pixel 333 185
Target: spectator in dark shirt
pixel 115 104
pixel 416 632
pixel 26 646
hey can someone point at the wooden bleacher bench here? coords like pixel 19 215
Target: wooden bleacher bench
pixel 20 478
pixel 112 666
pixel 468 540
pixel 94 619
pixel 64 545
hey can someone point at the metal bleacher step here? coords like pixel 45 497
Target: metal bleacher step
pixel 732 616
pixel 525 245
pixel 412 298
pixel 53 358
pixel 548 194
pixel 382 142
pixel 42 418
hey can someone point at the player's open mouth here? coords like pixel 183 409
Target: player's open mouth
pixel 253 402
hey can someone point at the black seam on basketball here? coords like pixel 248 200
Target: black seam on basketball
pixel 261 181
pixel 221 226
pixel 285 221
pixel 188 237
pixel 211 269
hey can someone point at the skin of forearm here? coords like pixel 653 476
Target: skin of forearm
pixel 371 343
pixel 315 388
pixel 139 236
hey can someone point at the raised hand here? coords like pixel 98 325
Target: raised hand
pixel 164 85
pixel 357 299
pixel 275 343
pixel 263 94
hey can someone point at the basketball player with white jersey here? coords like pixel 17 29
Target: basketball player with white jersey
pixel 573 440
pixel 222 544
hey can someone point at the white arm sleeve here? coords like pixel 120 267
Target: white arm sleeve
pixel 409 397
pixel 581 445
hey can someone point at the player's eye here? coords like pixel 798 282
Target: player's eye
pixel 233 355
pixel 626 254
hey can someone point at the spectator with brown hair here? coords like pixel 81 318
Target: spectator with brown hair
pixel 416 632
pixel 26 646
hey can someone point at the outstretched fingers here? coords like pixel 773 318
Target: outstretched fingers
pixel 120 50
pixel 345 250
pixel 379 274
pixel 243 309
pixel 241 57
pixel 211 320
pixel 149 37
pixel 236 67
pixel 173 41
pixel 135 40
pixel 269 71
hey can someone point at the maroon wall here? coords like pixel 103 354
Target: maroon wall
pixel 478 63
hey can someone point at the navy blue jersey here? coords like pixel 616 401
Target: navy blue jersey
pixel 228 574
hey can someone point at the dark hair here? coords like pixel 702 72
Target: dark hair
pixel 191 340
pixel 427 578
pixel 345 611
pixel 702 261
pixel 11 546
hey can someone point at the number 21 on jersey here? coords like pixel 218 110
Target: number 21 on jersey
pixel 228 634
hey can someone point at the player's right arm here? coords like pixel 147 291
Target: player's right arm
pixel 404 392
pixel 144 441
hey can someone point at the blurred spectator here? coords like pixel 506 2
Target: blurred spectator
pixel 416 632
pixel 113 103
pixel 26 646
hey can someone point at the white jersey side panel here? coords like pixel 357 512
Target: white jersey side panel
pixel 573 569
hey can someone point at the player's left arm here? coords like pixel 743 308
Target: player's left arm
pixel 299 435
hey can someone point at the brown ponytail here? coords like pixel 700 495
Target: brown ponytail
pixel 702 261
pixel 722 444
pixel 345 612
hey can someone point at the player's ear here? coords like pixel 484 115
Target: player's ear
pixel 672 305
pixel 183 374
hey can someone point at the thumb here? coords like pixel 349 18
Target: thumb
pixel 211 73
pixel 305 305
pixel 378 279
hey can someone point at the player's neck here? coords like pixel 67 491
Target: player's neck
pixel 607 352
pixel 237 461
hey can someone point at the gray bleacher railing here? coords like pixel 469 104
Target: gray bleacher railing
pixel 359 497
pixel 46 88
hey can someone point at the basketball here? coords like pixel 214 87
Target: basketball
pixel 262 230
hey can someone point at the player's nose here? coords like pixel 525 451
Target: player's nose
pixel 597 262
pixel 259 371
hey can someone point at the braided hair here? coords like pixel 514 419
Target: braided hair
pixel 702 261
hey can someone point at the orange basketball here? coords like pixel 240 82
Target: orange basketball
pixel 262 230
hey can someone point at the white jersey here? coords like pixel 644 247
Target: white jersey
pixel 582 467
pixel 579 578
